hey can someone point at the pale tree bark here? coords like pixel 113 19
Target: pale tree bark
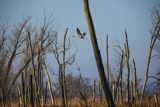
pixel 156 100
pixel 127 55
pixel 64 95
pixel 49 84
pixel 120 78
pixel 107 58
pixel 134 80
pixel 35 75
pixel 113 89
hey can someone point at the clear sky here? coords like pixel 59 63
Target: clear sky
pixel 110 17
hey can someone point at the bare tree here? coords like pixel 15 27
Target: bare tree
pixel 59 51
pixel 127 55
pixel 16 45
pixel 155 34
pixel 134 74
pixel 97 54
pixel 32 45
pixel 3 54
pixel 118 90
pixel 107 58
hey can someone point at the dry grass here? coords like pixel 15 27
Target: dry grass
pixel 80 103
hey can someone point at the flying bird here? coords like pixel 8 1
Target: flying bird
pixel 80 35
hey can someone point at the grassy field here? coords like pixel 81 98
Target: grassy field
pixel 149 102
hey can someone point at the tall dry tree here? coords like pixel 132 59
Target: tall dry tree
pixel 155 34
pixel 49 83
pixel 119 81
pixel 127 56
pixel 38 40
pixel 63 70
pixel 134 75
pixel 118 91
pixel 59 51
pixel 107 58
pixel 97 55
pixel 45 41
pixel 39 44
pixel 18 41
pixel 3 55
pixel 15 45
pixel 32 49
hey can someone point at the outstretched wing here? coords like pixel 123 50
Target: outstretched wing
pixel 79 33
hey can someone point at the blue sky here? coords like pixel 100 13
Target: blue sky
pixel 110 17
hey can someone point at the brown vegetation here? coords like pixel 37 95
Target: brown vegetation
pixel 25 79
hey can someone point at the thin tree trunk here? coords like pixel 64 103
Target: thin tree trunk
pixel 35 75
pixel 31 92
pixel 134 80
pixel 94 92
pixel 97 54
pixel 64 95
pixel 11 99
pixel 49 84
pixel 45 96
pixel 119 80
pixel 154 35
pixel 147 67
pixel 107 58
pixel 100 92
pixel 131 92
pixel 156 100
pixel 23 90
pixel 113 89
pixel 2 97
pixel 127 55
pixel 19 96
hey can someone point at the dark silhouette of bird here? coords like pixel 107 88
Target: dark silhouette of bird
pixel 80 35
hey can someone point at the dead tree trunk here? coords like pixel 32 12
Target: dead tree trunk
pixel 107 58
pixel 127 55
pixel 113 89
pixel 154 35
pixel 31 92
pixel 35 75
pixel 134 80
pixel 97 55
pixel 120 78
pixel 131 92
pixel 100 92
pixel 49 84
pixel 23 90
pixel 94 92
pixel 118 92
pixel 156 100
pixel 2 97
pixel 148 64
pixel 64 96
pixel 19 96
